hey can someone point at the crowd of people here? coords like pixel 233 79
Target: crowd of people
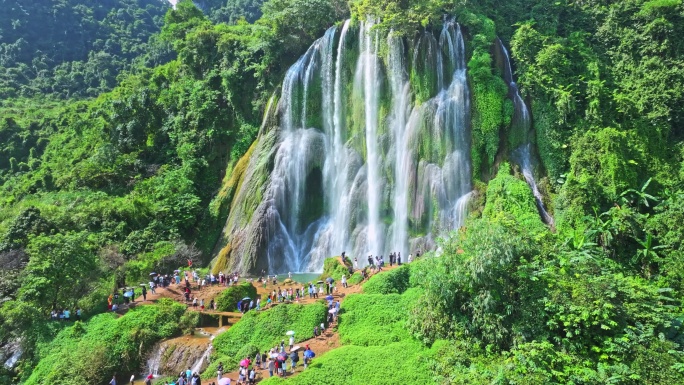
pixel 65 314
pixel 186 377
pixel 275 361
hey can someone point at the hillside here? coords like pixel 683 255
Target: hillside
pixel 530 151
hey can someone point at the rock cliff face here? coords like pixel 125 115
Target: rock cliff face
pixel 175 355
pixel 368 150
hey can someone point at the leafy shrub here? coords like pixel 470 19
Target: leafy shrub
pixel 398 363
pixel 229 298
pixel 264 330
pixel 189 321
pixel 355 279
pixel 333 268
pixel 89 352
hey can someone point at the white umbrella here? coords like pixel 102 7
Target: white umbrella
pixel 224 381
pixel 290 333
pixel 294 349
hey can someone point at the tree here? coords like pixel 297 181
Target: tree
pixel 61 269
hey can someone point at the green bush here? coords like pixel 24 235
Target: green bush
pixel 264 330
pixel 398 363
pixel 229 298
pixel 355 279
pixel 389 282
pixel 333 268
pixel 510 196
pixel 90 352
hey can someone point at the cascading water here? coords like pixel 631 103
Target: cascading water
pixel 154 361
pixel 522 123
pixel 368 78
pixel 197 367
pixel 361 164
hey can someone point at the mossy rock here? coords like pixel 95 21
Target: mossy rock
pixel 335 268
pixel 229 298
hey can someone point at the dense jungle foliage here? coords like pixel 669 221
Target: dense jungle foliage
pixel 96 192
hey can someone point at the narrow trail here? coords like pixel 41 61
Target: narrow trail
pixel 329 340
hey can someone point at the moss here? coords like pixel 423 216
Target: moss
pixel 222 259
pixel 423 75
pixel 235 180
pixel 314 198
pixel 490 111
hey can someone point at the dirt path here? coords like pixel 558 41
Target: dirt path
pixel 329 340
pixel 320 345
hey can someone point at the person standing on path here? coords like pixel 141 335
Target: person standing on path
pixel 356 263
pixel 399 259
pixel 271 366
pixel 144 293
pixel 132 379
pixel 113 381
pixel 294 358
pixel 291 342
pixel 219 371
pixel 344 281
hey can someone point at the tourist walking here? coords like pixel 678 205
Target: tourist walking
pixel 308 356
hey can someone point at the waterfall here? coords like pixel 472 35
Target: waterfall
pixel 401 94
pixel 523 123
pixel 361 164
pixel 154 361
pixel 197 367
pixel 13 359
pixel 369 79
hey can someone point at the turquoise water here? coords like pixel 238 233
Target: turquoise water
pixel 299 277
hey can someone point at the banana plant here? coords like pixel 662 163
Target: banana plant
pixel 631 195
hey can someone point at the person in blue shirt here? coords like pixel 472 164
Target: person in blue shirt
pixel 188 373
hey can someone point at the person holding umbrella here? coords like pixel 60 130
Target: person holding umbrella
pixel 308 356
pixel 282 360
pixel 294 358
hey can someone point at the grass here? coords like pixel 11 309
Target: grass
pixel 394 281
pixel 404 362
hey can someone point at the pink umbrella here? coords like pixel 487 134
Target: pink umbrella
pixel 224 381
pixel 244 363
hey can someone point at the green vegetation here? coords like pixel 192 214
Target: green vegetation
pixel 332 267
pixel 75 48
pixel 120 119
pixel 262 330
pixel 392 282
pixel 404 363
pixel 229 298
pixel 88 352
